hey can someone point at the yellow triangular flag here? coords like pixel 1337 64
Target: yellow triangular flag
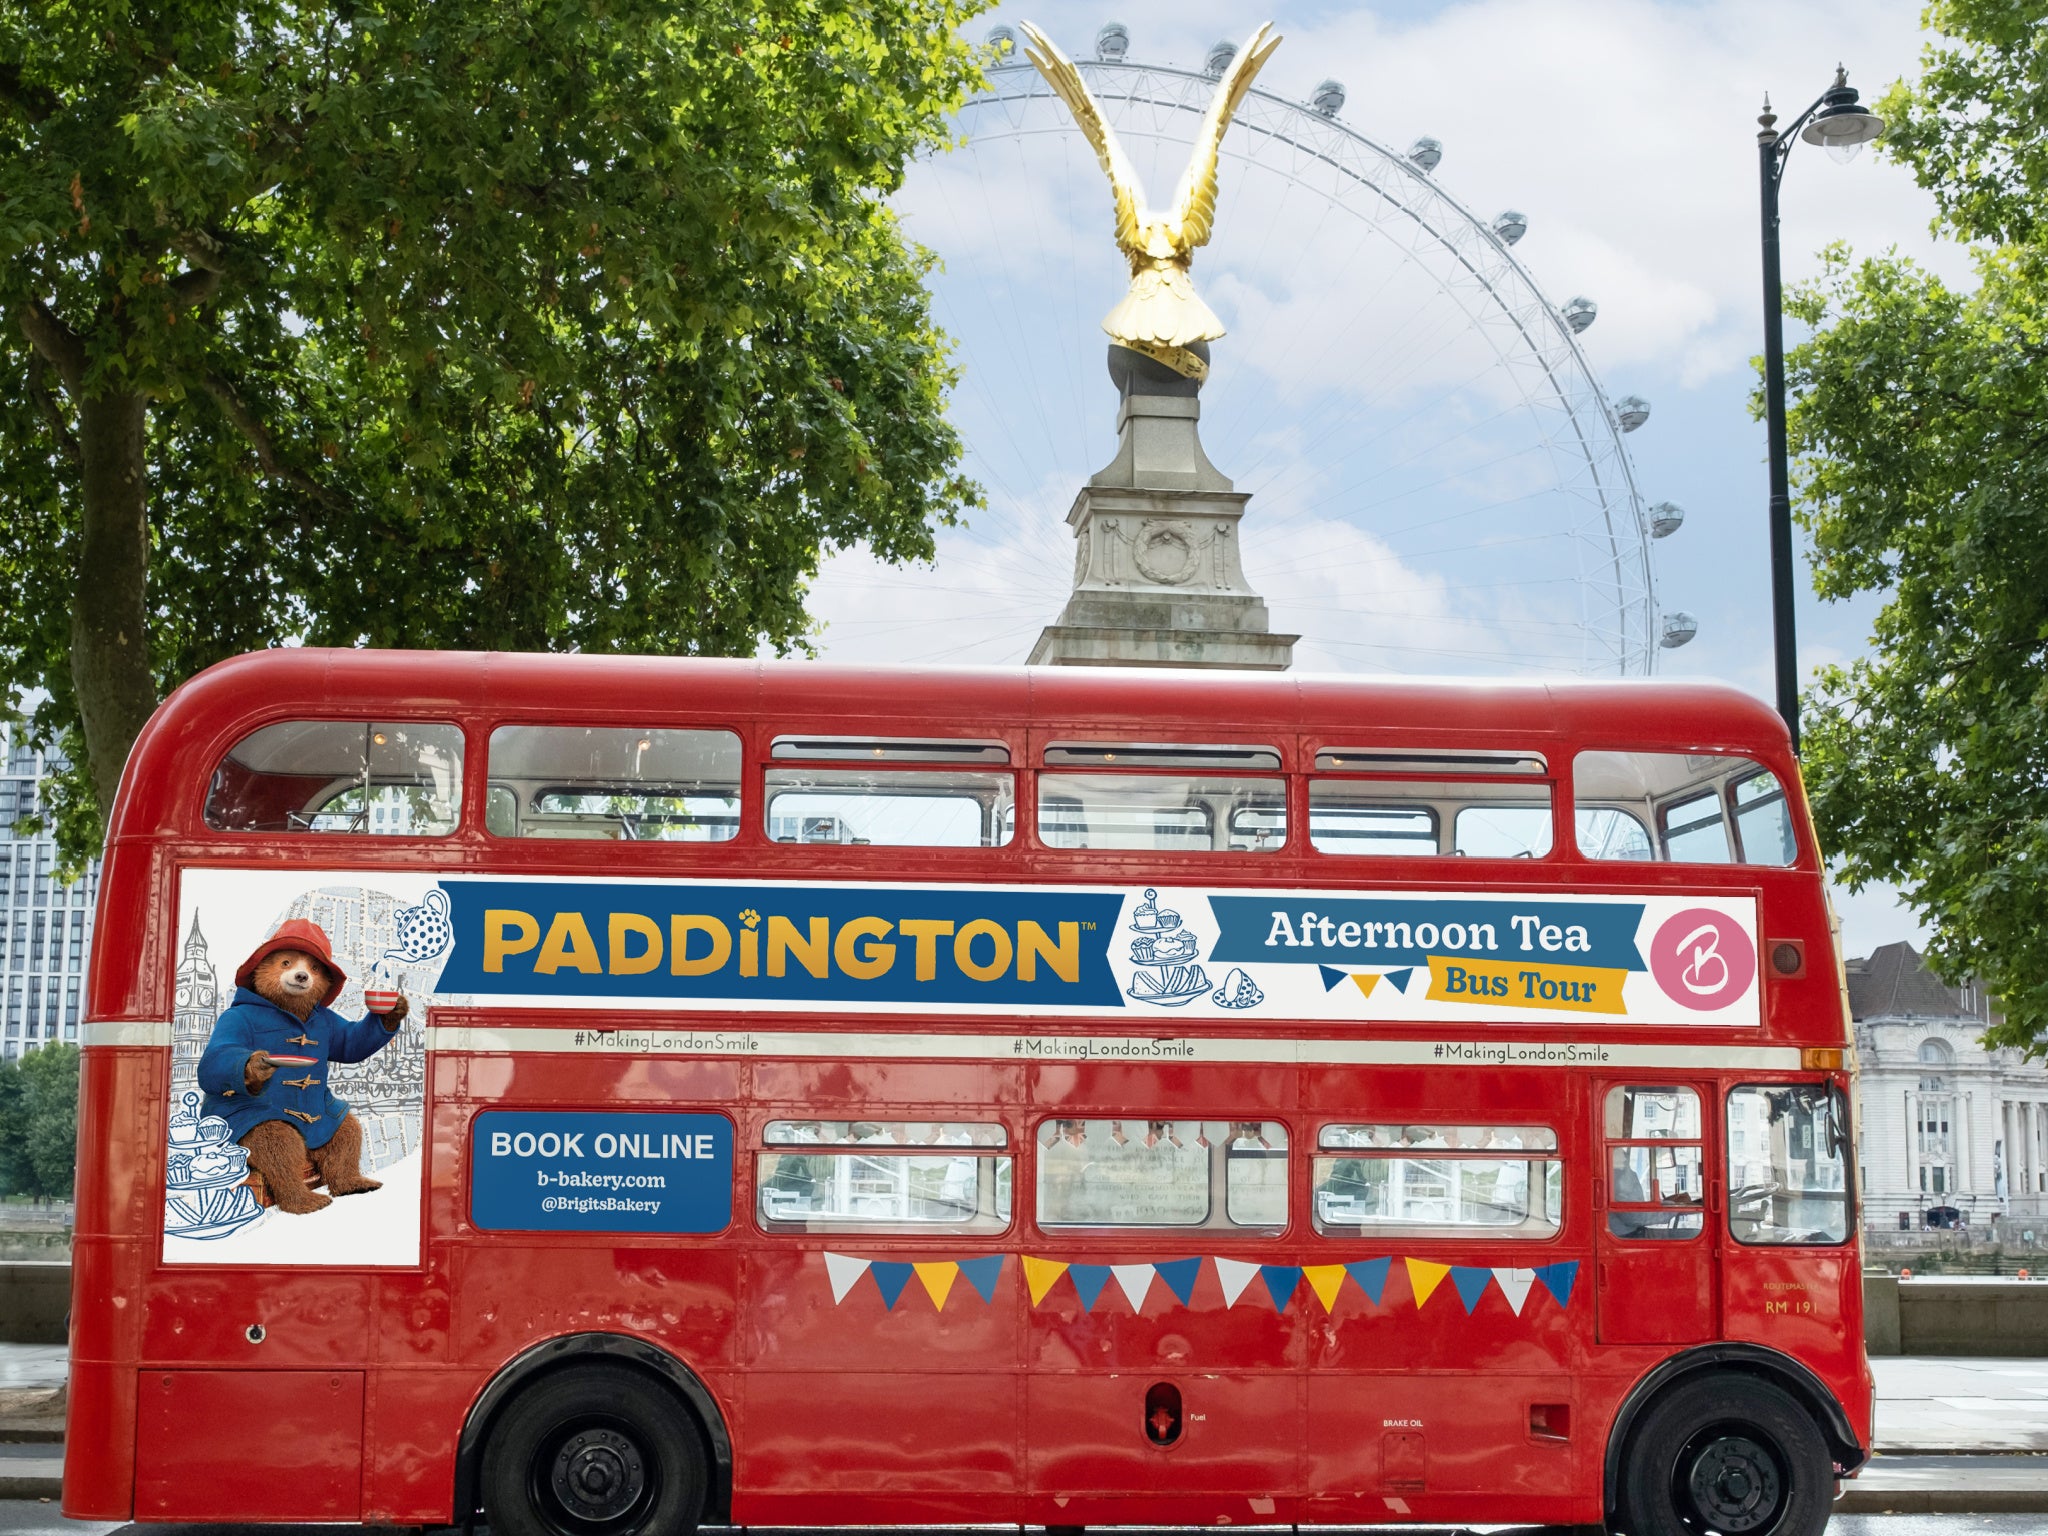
pixel 1424 1277
pixel 1367 983
pixel 938 1280
pixel 1327 1279
pixel 1039 1274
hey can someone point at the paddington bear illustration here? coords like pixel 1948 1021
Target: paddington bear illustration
pixel 264 1070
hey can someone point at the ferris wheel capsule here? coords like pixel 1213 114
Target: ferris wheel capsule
pixel 1666 518
pixel 1221 52
pixel 1328 98
pixel 1510 224
pixel 1679 628
pixel 1579 312
pixel 1630 412
pixel 1426 153
pixel 1112 42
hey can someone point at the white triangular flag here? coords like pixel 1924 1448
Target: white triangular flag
pixel 844 1270
pixel 1136 1280
pixel 1235 1275
pixel 1514 1284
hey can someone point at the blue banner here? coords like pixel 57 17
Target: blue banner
pixel 812 944
pixel 1343 931
pixel 551 1171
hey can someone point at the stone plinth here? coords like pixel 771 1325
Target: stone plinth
pixel 1157 576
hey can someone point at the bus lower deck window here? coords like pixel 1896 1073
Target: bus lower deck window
pixel 1788 1177
pixel 1683 807
pixel 370 778
pixel 1656 1163
pixel 614 784
pixel 1220 1174
pixel 1494 1180
pixel 875 1176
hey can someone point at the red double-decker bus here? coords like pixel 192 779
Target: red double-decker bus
pixel 836 1097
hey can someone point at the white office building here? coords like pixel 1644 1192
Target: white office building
pixel 45 925
pixel 1944 1125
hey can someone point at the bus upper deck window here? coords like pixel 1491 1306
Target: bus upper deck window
pixel 1486 805
pixel 1684 807
pixel 374 778
pixel 892 807
pixel 614 784
pixel 1162 796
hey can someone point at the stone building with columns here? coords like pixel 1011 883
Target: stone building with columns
pixel 1943 1124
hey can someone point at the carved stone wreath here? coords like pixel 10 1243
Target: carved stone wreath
pixel 1165 553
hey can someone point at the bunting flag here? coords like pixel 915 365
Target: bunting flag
pixel 1281 1279
pixel 1039 1275
pixel 1423 1279
pixel 1471 1284
pixel 1365 984
pixel 1235 1275
pixel 1371 1275
pixel 1089 1279
pixel 1179 1276
pixel 1514 1284
pixel 1326 1280
pixel 1558 1279
pixel 1398 980
pixel 982 1274
pixel 1135 1280
pixel 890 1280
pixel 1332 977
pixel 938 1281
pixel 844 1271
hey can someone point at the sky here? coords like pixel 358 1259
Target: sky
pixel 1411 511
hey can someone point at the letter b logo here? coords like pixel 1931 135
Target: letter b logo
pixel 1702 959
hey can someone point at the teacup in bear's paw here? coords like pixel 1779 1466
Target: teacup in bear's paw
pixel 257 1071
pixel 394 1016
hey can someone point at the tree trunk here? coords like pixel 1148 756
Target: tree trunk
pixel 110 654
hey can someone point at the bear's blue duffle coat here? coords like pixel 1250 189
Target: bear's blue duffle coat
pixel 295 1094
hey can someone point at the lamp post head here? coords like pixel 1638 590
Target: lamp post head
pixel 1841 126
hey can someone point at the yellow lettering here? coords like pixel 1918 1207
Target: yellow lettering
pixel 784 941
pixel 680 927
pixel 963 950
pixel 1034 944
pixel 927 931
pixel 750 951
pixel 568 943
pixel 500 925
pixel 863 962
pixel 625 924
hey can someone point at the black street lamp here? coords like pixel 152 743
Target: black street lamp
pixel 1841 127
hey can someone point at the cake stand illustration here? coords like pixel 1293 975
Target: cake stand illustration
pixel 1164 953
pixel 206 1192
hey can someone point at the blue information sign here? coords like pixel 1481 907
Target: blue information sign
pixel 556 1171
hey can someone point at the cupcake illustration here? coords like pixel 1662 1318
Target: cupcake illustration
pixel 1164 953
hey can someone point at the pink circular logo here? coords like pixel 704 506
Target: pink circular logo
pixel 1702 959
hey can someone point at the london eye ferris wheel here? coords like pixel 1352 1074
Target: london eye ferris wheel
pixel 1440 483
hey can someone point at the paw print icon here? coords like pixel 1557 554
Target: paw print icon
pixel 751 918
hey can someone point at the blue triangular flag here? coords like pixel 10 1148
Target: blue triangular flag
pixel 1558 1279
pixel 1179 1275
pixel 1332 976
pixel 890 1280
pixel 1471 1284
pixel 1371 1275
pixel 982 1274
pixel 1089 1279
pixel 1398 980
pixel 1281 1279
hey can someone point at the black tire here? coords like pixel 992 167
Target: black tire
pixel 1730 1455
pixel 594 1450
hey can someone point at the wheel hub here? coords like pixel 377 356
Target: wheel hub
pixel 1734 1485
pixel 599 1474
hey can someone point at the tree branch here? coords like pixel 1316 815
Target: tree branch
pixel 61 345
pixel 59 428
pixel 206 252
pixel 259 438
pixel 195 287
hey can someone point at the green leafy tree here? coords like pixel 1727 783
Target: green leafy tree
pixel 509 323
pixel 39 1123
pixel 1921 417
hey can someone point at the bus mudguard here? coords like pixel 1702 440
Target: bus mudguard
pixel 577 1348
pixel 1742 1359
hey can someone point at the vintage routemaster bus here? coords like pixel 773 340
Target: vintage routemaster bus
pixel 1055 1097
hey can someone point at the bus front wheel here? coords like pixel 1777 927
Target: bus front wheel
pixel 594 1450
pixel 1726 1454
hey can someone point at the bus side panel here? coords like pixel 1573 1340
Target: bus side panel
pixel 412 1422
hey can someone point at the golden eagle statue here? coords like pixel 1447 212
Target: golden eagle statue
pixel 1161 314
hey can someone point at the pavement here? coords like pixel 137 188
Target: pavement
pixel 1954 1437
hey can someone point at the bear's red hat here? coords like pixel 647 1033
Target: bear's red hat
pixel 308 939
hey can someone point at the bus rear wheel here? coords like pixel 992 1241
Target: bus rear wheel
pixel 1728 1455
pixel 595 1450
